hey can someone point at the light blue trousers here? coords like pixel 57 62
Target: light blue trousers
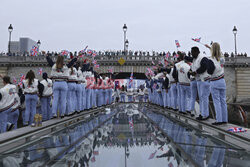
pixel 168 98
pixel 100 98
pixel 185 98
pixel 13 117
pixel 79 100
pixel 130 98
pixel 193 87
pixel 83 98
pixel 30 108
pixel 93 97
pixel 107 96
pixel 173 90
pixel 178 96
pixel 110 95
pixel 204 92
pixel 122 97
pixel 88 99
pixel 60 95
pixel 218 91
pixel 45 108
pixel 71 98
pixel 217 157
pixel 3 120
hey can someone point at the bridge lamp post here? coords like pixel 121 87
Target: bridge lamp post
pixel 235 32
pixel 126 44
pixel 10 28
pixel 38 44
pixel 125 28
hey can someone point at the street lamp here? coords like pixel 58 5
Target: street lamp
pixel 126 44
pixel 38 44
pixel 125 28
pixel 10 28
pixel 235 32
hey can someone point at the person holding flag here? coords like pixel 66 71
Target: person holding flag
pixel 218 84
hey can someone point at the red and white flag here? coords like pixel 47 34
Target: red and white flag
pixel 40 71
pixel 93 159
pixel 152 155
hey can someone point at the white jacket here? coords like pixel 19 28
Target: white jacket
pixel 197 63
pixel 182 74
pixel 8 93
pixel 219 68
pixel 30 88
pixel 60 73
pixel 72 74
pixel 48 91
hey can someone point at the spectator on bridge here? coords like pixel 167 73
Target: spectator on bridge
pixel 7 100
pixel 60 74
pixel 31 87
pixel 200 66
pixel 46 97
pixel 218 84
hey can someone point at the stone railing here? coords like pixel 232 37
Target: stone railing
pixel 11 60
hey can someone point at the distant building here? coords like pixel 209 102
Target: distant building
pixel 24 45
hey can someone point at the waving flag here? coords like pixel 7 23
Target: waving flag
pixel 110 70
pixel 64 53
pixel 97 66
pixel 196 39
pixel 34 51
pixel 89 51
pixel 94 62
pixel 177 44
pixel 14 80
pixel 154 86
pixel 130 80
pixel 40 71
pixel 153 62
pixel 93 159
pixel 96 152
pixel 22 78
pixel 170 164
pixel 20 84
pixel 152 155
pixel 168 55
pixel 94 54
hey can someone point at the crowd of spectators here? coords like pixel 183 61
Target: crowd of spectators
pixel 117 53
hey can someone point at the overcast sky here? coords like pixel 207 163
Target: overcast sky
pixel 152 24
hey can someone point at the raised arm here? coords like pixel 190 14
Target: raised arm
pixel 71 63
pixel 50 61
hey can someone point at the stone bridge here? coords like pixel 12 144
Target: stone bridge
pixel 237 70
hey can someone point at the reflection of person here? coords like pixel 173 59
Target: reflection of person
pixel 217 157
pixel 168 154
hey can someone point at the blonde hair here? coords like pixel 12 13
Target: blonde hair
pixel 215 51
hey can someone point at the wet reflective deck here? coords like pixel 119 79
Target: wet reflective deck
pixel 127 135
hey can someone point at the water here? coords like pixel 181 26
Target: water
pixel 130 135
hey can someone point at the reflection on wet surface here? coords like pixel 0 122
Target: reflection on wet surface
pixel 129 135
